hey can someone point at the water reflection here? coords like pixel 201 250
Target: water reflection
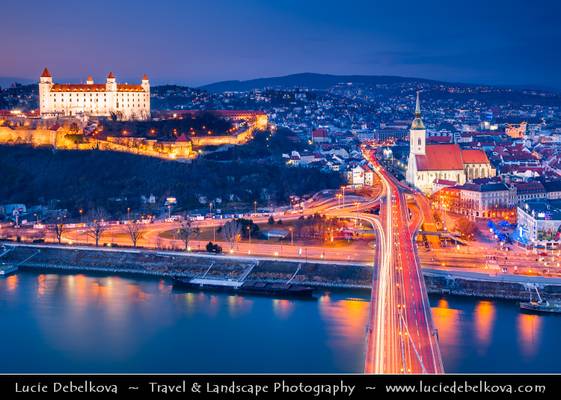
pixel 283 308
pixel 484 320
pixel 529 330
pixel 81 323
pixel 11 283
pixel 238 305
pixel 447 321
pixel 347 318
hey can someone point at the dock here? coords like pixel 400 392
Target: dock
pixel 7 269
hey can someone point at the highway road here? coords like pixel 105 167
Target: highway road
pixel 401 335
pixel 151 236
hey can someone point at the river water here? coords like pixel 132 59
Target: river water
pixel 97 323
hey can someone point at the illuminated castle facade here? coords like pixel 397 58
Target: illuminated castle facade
pixel 109 99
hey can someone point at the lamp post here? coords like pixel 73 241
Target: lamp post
pixel 255 206
pixel 249 233
pixel 343 189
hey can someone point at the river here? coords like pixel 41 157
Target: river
pixel 51 322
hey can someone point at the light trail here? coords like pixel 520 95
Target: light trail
pixel 401 337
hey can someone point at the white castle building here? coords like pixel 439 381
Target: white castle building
pixel 430 163
pixel 109 99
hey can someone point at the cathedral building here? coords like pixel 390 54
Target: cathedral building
pixel 428 163
pixel 109 99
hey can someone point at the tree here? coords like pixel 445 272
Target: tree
pixel 247 227
pixel 133 229
pixel 299 226
pixel 466 228
pixel 436 217
pixel 97 224
pixel 58 229
pixel 271 220
pixel 213 248
pixel 187 231
pixel 231 231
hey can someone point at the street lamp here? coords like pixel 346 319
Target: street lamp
pixel 249 233
pixel 291 229
pixel 255 206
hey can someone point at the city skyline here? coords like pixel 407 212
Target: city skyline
pixel 259 187
pixel 498 45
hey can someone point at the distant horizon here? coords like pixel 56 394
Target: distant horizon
pixel 6 81
pixel 499 43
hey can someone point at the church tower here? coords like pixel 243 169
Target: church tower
pixel 417 133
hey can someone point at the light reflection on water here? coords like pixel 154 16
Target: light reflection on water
pixel 106 323
pixel 494 336
pixel 81 323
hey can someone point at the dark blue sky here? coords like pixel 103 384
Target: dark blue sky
pixel 196 42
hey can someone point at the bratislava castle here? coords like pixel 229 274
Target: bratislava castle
pixel 109 99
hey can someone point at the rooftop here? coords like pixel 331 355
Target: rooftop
pixel 549 210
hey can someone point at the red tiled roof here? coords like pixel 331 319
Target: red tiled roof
pixel 110 76
pixel 96 87
pixel 440 157
pixel 529 187
pixel 439 139
pixel 69 87
pixel 182 138
pixel 46 73
pixel 123 87
pixel 319 132
pixel 474 157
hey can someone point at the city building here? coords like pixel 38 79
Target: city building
pixel 489 200
pixel 360 175
pixel 121 101
pixel 539 223
pixel 428 163
pixel 528 191
pixel 553 189
pixel 320 135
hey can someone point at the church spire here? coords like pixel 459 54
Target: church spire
pixel 418 122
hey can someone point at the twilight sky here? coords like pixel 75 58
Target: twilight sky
pixel 196 42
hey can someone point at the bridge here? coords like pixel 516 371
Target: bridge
pixel 401 337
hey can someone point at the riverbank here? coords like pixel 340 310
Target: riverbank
pixel 188 265
pixel 321 274
pixel 498 286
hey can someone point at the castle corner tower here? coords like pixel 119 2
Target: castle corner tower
pixel 45 85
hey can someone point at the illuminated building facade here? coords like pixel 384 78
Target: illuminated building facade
pixel 539 223
pixel 109 99
pixel 490 200
pixel 429 163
